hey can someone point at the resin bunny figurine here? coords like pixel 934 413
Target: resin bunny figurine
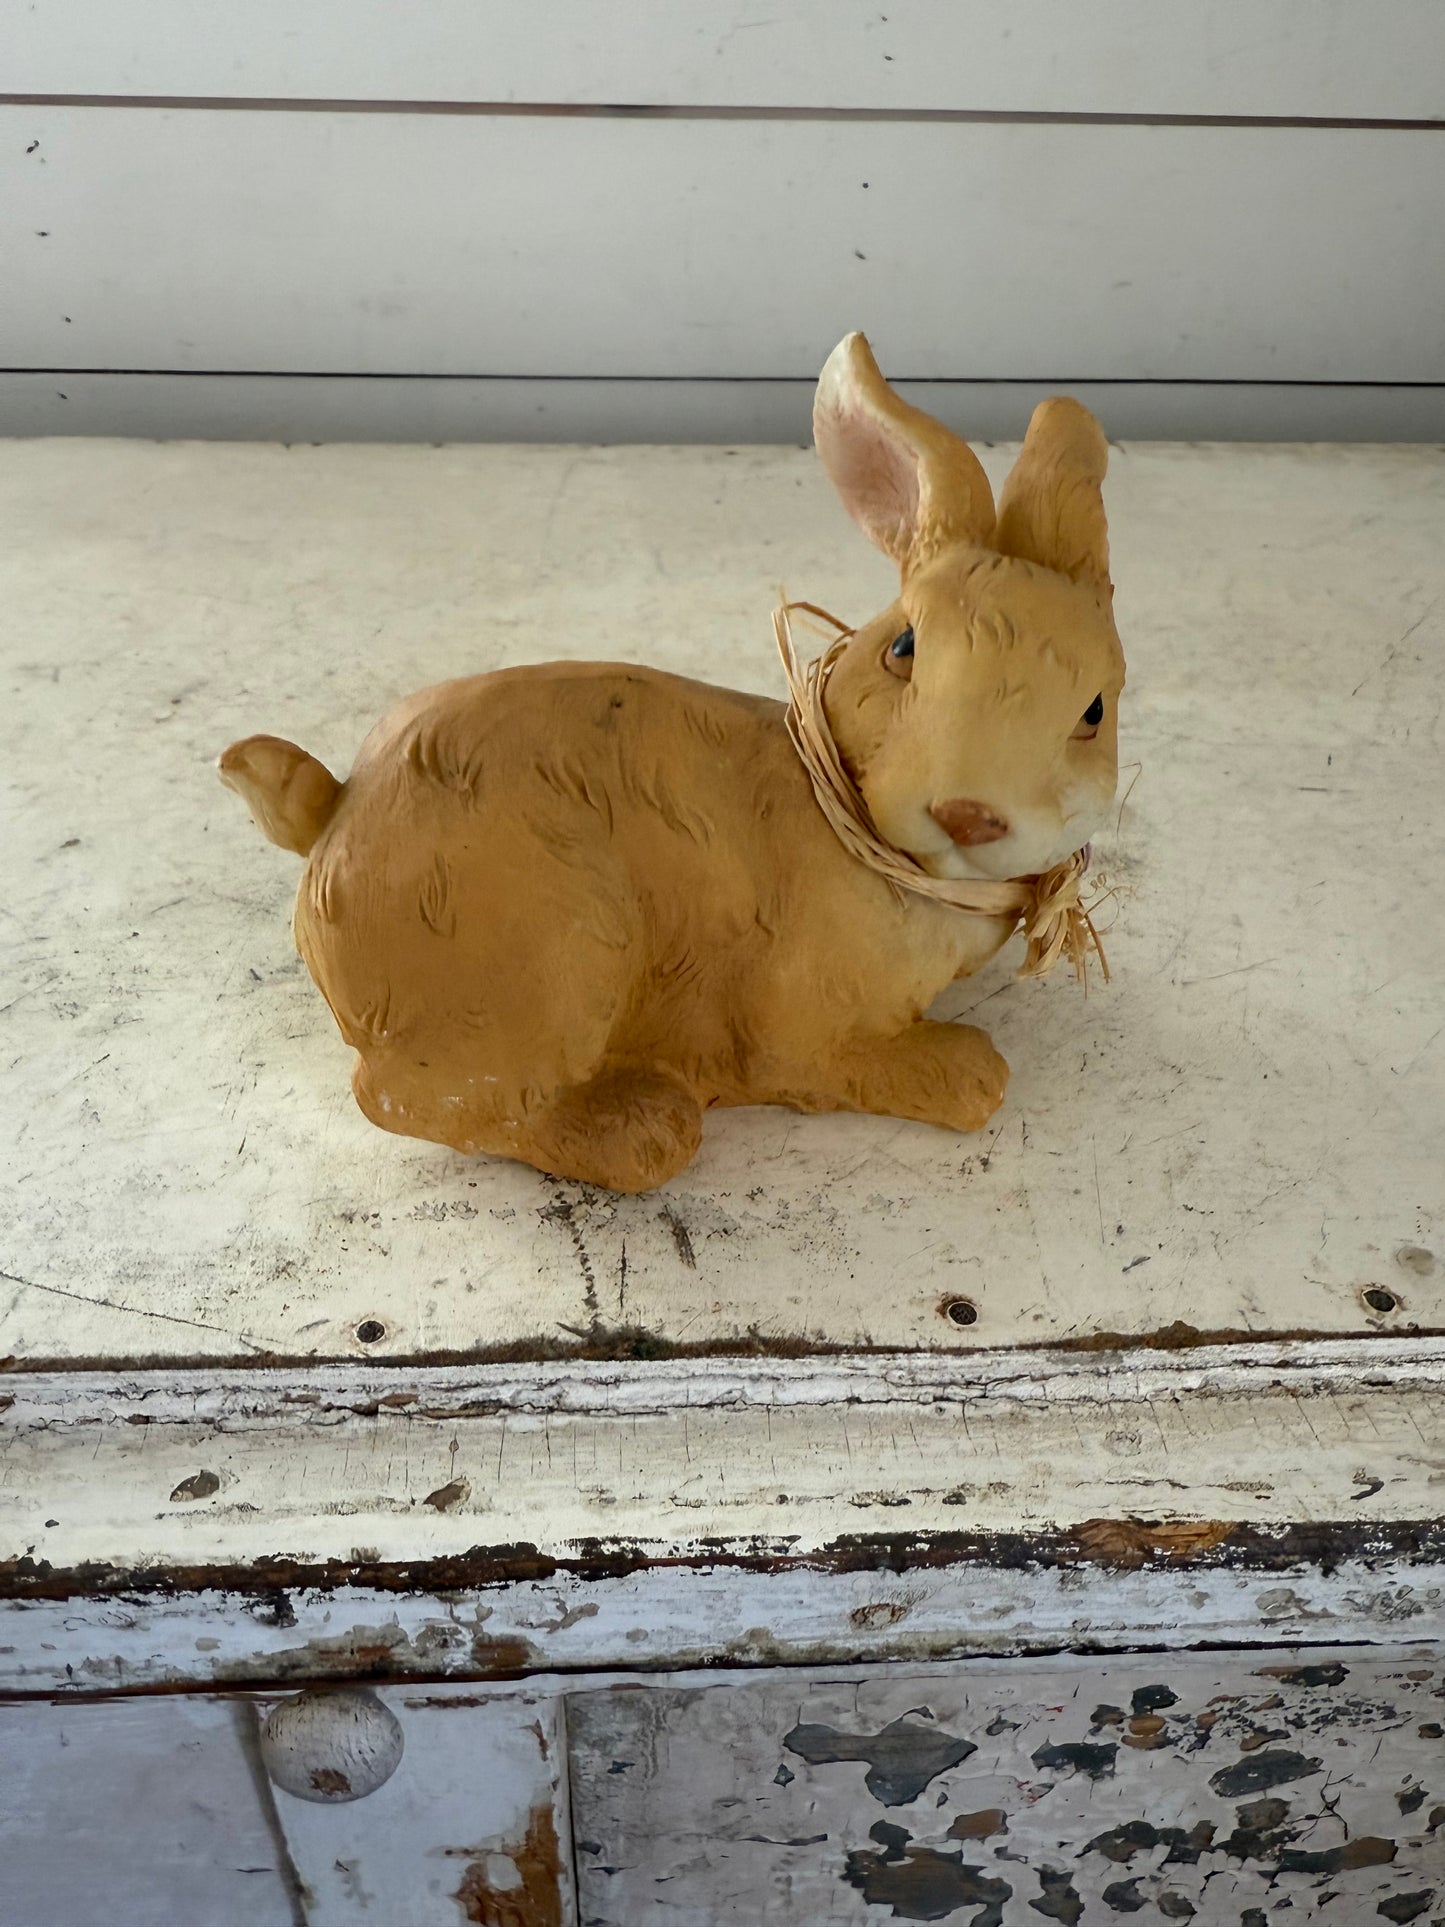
pixel 561 911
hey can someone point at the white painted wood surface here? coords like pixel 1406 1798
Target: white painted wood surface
pixel 778 1457
pixel 698 1798
pixel 482 1787
pixel 1265 57
pixel 1234 1789
pixel 466 408
pixel 144 1812
pixel 254 1527
pixel 211 241
pixel 149 1812
pixel 1243 1131
pixel 710 1613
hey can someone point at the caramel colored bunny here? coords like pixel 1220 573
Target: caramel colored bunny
pixel 560 911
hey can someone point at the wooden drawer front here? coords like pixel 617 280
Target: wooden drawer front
pixel 1205 1788
pixel 157 1812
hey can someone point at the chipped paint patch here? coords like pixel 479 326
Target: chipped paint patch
pixel 1031 1820
pixel 902 1760
pixel 919 1883
pixel 525 1890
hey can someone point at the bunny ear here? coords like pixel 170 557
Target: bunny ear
pixel 909 485
pixel 1051 508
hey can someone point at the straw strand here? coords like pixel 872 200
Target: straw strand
pixel 1055 922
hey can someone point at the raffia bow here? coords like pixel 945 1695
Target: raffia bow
pixel 1054 919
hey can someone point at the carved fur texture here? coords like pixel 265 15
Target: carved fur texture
pixel 559 912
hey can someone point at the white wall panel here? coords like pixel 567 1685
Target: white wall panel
pixel 1256 57
pixel 258 242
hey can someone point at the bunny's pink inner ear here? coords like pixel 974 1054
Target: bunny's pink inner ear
pixel 1051 508
pixel 908 483
pixel 873 470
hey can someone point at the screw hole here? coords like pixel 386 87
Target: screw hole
pixel 961 1311
pixel 1378 1299
pixel 370 1331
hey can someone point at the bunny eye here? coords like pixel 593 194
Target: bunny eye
pixel 898 656
pixel 1090 720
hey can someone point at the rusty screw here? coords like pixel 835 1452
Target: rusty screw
pixel 370 1331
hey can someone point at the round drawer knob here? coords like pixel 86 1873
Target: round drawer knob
pixel 331 1745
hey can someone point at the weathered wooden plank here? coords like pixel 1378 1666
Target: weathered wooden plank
pixel 356 244
pixel 143 1811
pixel 693 1466
pixel 656 1515
pixel 1215 1788
pixel 1290 57
pixel 1252 1107
pixel 881 1600
pixel 460 408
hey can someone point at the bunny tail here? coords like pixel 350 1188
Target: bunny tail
pixel 290 795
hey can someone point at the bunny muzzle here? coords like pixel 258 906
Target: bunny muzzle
pixel 968 822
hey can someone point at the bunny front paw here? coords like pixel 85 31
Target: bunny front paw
pixel 946 1074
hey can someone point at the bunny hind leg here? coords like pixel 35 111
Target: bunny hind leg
pixel 624 1129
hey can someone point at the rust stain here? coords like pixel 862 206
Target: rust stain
pixel 536 1899
pixel 1147 1731
pixel 1111 1543
pixel 1130 1543
pixel 330 1779
pixel 612 1343
pixel 873 1618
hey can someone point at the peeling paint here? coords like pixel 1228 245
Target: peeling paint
pixel 200 1485
pixel 447 1497
pixel 902 1759
pixel 1059 1899
pixel 535 1900
pixel 1077 1756
pixel 918 1883
pixel 1262 1771
pixel 979 1826
pixel 1117 1545
pixel 1406 1907
pixel 1083 1829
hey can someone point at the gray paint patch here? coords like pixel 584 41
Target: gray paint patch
pixel 1124 1897
pixel 902 1759
pixel 1152 1699
pixel 1077 1756
pixel 1368 1851
pixel 1261 1771
pixel 919 1883
pixel 1121 1843
pixel 1406 1907
pixel 1330 1673
pixel 1060 1898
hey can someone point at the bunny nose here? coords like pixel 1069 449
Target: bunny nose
pixel 968 822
